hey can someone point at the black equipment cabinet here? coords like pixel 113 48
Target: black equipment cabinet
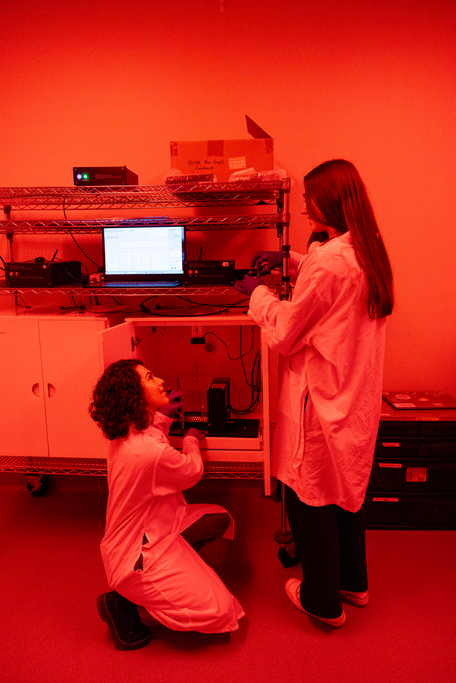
pixel 413 480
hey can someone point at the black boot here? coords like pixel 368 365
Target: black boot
pixel 125 626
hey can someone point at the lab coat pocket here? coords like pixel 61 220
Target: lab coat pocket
pixel 288 434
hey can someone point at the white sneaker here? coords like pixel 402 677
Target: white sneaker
pixel 358 599
pixel 293 590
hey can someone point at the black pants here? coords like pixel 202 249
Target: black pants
pixel 330 544
pixel 206 529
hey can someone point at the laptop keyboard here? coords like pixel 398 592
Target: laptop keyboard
pixel 159 283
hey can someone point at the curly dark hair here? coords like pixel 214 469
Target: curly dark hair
pixel 118 400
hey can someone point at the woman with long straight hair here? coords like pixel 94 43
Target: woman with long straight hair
pixel 331 337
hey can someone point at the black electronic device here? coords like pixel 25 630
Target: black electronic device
pixel 103 175
pixel 209 273
pixel 218 402
pixel 41 273
pixel 240 272
pixel 237 429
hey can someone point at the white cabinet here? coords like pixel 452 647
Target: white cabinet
pixel 48 369
pixel 165 346
pixel 22 413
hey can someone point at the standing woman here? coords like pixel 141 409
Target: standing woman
pixel 331 336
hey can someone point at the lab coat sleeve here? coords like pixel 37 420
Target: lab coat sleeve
pixel 162 422
pixel 290 324
pixel 178 470
pixel 294 263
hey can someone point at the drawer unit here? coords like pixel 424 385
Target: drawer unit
pixel 410 511
pixel 413 479
pixel 413 476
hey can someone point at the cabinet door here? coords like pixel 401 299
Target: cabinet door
pixel 71 367
pixel 117 343
pixel 22 412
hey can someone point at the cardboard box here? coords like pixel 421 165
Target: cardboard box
pixel 224 157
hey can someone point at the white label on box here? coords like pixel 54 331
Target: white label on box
pixel 404 405
pixel 395 465
pixel 385 500
pixel 389 444
pixel 237 162
pixel 416 474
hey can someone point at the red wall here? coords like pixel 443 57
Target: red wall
pixel 112 82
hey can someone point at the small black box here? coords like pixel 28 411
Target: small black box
pixel 104 175
pixel 43 274
pixel 209 273
pixel 218 401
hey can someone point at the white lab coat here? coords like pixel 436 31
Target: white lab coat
pixel 146 477
pixel 331 376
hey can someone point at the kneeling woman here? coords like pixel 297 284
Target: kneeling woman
pixel 151 535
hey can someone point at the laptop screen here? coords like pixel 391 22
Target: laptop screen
pixel 144 253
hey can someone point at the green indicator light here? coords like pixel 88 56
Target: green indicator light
pixel 85 176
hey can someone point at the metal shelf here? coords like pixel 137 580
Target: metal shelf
pixel 144 196
pixel 241 193
pixel 194 290
pixel 191 223
pixel 97 467
pixel 252 193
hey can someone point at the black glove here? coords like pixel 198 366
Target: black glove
pixel 196 432
pixel 266 261
pixel 248 284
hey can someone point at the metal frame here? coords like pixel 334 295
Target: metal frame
pixel 241 193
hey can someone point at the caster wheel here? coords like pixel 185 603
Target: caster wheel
pixel 284 538
pixel 38 485
pixel 286 559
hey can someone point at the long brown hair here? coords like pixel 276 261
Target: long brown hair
pixel 336 189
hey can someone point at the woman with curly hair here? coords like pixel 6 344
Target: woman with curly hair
pixel 152 535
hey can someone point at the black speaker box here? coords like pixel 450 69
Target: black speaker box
pixel 218 401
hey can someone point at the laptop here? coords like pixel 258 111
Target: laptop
pixel 144 255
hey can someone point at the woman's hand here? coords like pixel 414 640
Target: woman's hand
pixel 266 261
pixel 248 284
pixel 195 432
pixel 175 403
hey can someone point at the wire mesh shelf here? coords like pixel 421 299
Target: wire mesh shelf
pixel 191 223
pixel 97 467
pixel 192 290
pixel 144 196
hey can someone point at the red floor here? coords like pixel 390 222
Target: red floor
pixel 52 573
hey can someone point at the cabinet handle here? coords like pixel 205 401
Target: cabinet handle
pixel 51 390
pixel 36 390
